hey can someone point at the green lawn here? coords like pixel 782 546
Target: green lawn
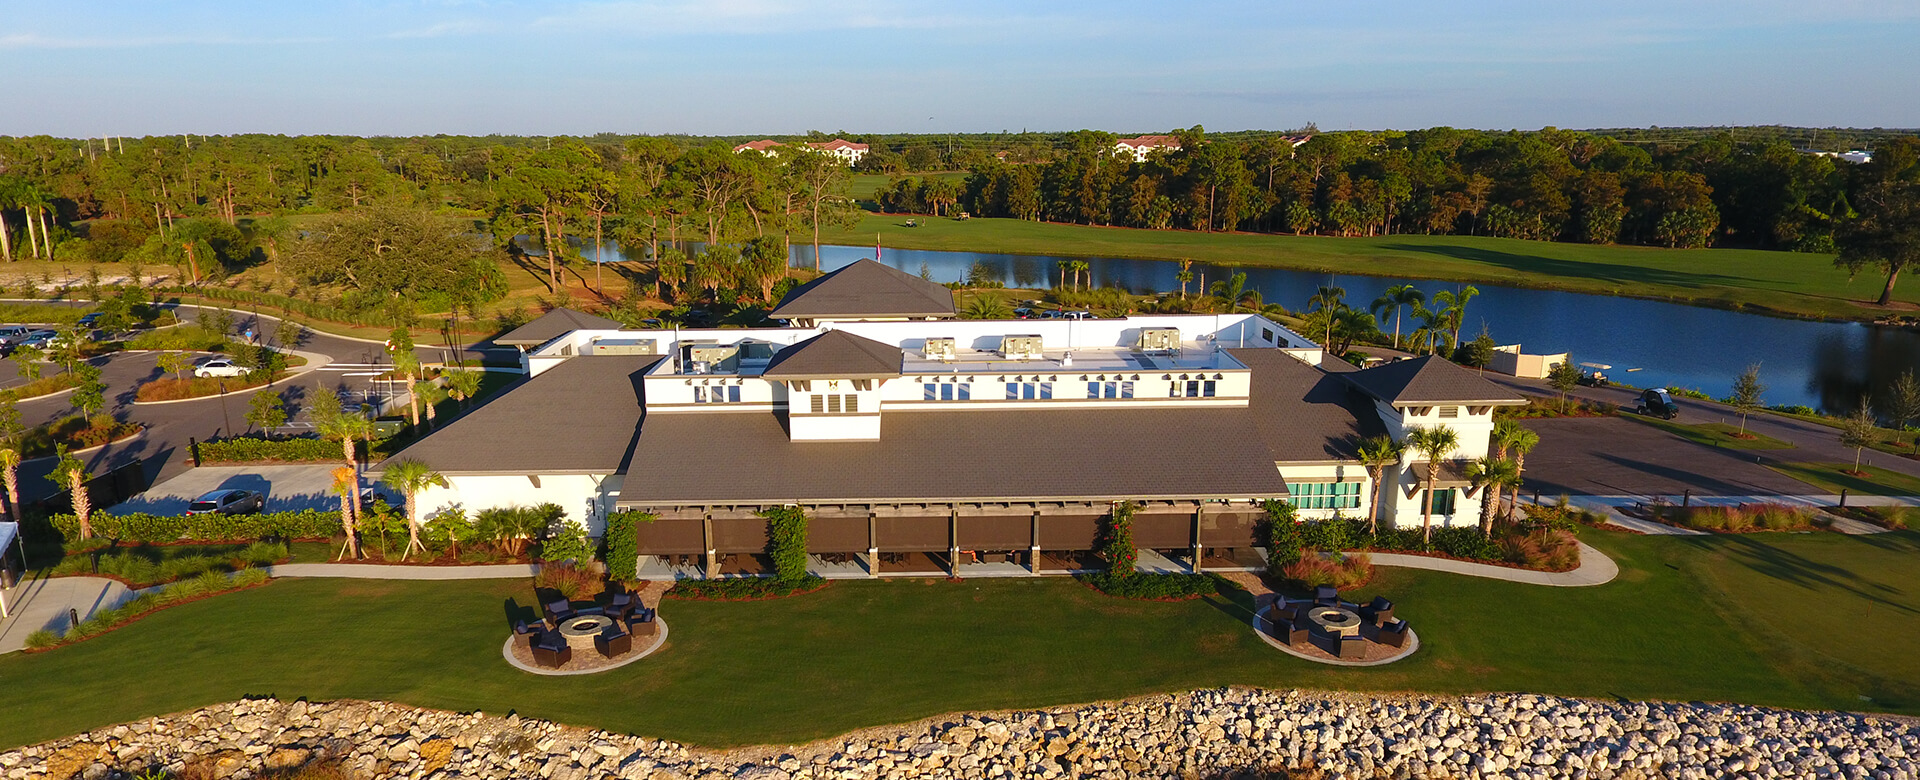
pixel 1830 477
pixel 1713 434
pixel 1760 618
pixel 1781 282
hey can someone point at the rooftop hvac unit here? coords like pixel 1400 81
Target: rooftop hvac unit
pixel 711 358
pixel 938 349
pixel 1020 347
pixel 1159 339
pixel 625 347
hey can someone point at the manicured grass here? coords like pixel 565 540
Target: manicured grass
pixel 1713 434
pixel 1763 618
pixel 1831 477
pixel 1781 282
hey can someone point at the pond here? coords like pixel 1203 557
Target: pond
pixel 1825 365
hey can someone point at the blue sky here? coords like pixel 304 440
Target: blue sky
pixel 763 66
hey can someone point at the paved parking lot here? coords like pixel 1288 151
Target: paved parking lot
pixel 288 488
pixel 1620 457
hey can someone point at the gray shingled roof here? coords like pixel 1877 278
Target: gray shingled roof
pixel 1427 380
pixel 554 323
pixel 1305 413
pixel 579 417
pixel 866 289
pixel 1066 454
pixel 835 353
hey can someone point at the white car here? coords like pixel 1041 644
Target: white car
pixel 219 367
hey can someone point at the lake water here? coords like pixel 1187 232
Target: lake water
pixel 1825 365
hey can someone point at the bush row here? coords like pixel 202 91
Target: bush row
pixel 142 527
pixel 1141 585
pixel 1742 518
pixel 249 449
pixel 744 588
pixel 144 565
pixel 1342 571
pixel 206 584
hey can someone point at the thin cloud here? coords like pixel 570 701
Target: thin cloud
pixel 33 41
pixel 449 29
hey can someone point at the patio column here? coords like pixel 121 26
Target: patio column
pixel 1033 557
pixel 713 561
pixel 1199 550
pixel 953 540
pixel 873 544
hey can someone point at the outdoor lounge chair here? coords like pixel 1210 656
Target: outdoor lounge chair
pixel 1326 596
pixel 551 651
pixel 1282 611
pixel 613 643
pixel 641 623
pixel 1378 612
pixel 1296 631
pixel 1352 648
pixel 1394 634
pixel 558 612
pixel 522 627
pixel 620 605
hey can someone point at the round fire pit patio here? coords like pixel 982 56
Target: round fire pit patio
pixel 581 630
pixel 1335 620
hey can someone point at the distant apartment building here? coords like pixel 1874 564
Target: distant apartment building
pixel 847 151
pixel 1141 146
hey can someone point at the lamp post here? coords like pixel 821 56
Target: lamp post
pixel 228 419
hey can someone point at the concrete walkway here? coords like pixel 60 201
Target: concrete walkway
pixel 43 603
pixel 380 571
pixel 1595 569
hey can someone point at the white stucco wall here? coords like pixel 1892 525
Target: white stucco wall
pixel 585 497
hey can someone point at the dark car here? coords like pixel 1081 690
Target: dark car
pixel 1656 402
pixel 227 502
pixel 87 320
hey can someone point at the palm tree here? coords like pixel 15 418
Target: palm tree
pixel 1491 475
pixel 345 484
pixel 10 474
pixel 410 477
pixel 1433 325
pixel 1185 275
pixel 1459 315
pixel 1432 443
pixel 333 422
pixel 1330 300
pixel 1394 300
pixel 462 385
pixel 1080 268
pixel 1376 454
pixel 1522 443
pixel 1509 434
pixel 407 365
pixel 1233 290
pixel 71 475
pixel 430 397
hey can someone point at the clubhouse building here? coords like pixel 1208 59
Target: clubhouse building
pixel 917 442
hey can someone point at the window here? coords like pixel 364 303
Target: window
pixel 1194 388
pixel 1324 495
pixel 1028 391
pixel 1442 502
pixel 1109 389
pixel 946 392
pixel 1266 334
pixel 717 395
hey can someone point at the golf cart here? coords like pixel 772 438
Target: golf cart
pixel 1655 402
pixel 1590 374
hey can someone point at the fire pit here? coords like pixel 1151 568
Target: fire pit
pixel 581 630
pixel 1338 621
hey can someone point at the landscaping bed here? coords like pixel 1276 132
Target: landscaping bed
pixel 251 449
pixel 744 588
pixel 144 565
pixel 178 389
pixel 46 385
pixel 77 433
pixel 1892 518
pixel 1152 587
pixel 1742 518
pixel 1545 407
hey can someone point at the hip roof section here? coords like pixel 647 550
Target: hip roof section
pixel 866 289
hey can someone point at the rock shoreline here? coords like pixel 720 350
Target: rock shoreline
pixel 1217 733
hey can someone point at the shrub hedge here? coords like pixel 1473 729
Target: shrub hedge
pixel 787 543
pixel 142 527
pixel 1160 587
pixel 248 449
pixel 744 588
pixel 623 544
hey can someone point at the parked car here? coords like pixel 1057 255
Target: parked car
pixel 87 320
pixel 12 334
pixel 219 366
pixel 1077 315
pixel 1051 314
pixel 1655 402
pixel 39 339
pixel 227 502
pixel 1023 313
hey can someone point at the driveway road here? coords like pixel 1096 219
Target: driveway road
pixel 171 427
pixel 1616 457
